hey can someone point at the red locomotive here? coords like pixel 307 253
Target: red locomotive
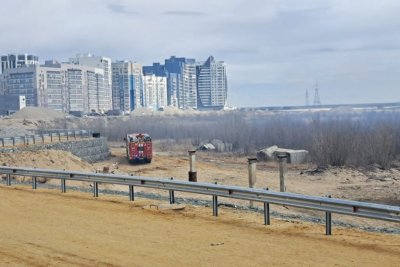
pixel 139 148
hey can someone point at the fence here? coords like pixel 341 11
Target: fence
pixel 51 137
pixel 325 204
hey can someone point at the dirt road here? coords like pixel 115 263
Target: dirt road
pixel 45 227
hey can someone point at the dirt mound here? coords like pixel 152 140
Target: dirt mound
pixel 35 113
pixel 47 159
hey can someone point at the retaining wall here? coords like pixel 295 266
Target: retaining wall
pixel 91 150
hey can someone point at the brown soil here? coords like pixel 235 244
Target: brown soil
pixel 47 228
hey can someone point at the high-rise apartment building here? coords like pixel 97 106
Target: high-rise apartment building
pixel 99 62
pixel 63 87
pixel 127 84
pixel 154 91
pixel 212 84
pixel 13 61
pixel 181 73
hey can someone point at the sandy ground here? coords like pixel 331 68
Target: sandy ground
pixel 47 228
pixel 373 185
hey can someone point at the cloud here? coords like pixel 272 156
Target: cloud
pixel 183 13
pixel 270 47
pixel 121 9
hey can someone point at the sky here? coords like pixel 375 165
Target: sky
pixel 274 50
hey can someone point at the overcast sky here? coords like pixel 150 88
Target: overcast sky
pixel 274 50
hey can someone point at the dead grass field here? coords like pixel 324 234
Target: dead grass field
pixel 47 228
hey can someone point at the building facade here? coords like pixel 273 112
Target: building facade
pixel 212 86
pixel 62 87
pixel 181 76
pixel 127 86
pixel 10 104
pixel 154 91
pixel 103 63
pixel 13 61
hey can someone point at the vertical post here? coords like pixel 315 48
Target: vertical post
pixel 75 135
pixel 2 142
pixel 34 182
pixel 67 135
pixel 8 179
pixel 192 170
pixel 267 220
pixel 95 189
pixel 282 160
pixel 59 136
pixel 328 221
pixel 171 195
pixel 63 186
pixel 51 137
pixel 252 165
pixel 13 140
pixel 215 205
pixel 42 138
pixel 33 139
pixel 131 193
pixel 25 140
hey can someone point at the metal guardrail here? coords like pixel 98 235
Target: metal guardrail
pixel 42 138
pixel 325 204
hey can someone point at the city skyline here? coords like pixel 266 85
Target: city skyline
pixel 91 83
pixel 275 51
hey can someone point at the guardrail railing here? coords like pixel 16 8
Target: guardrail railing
pixel 325 204
pixel 44 137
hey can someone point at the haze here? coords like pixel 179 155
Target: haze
pixel 274 50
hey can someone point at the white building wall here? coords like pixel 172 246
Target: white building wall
pixel 99 62
pixel 155 91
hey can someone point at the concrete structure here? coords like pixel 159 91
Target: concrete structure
pixel 11 103
pixel 154 91
pixel 212 86
pixel 292 156
pixel 99 62
pixel 127 85
pixel 182 85
pixel 62 87
pixel 13 61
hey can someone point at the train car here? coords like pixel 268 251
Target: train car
pixel 139 148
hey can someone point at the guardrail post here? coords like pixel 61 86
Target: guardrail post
pixel 33 139
pixel 59 136
pixel 328 221
pixel 2 142
pixel 13 139
pixel 131 193
pixel 252 165
pixel 63 186
pixel 171 195
pixel 67 136
pixel 51 137
pixel 8 179
pixel 34 182
pixel 267 220
pixel 215 205
pixel 25 140
pixel 282 159
pixel 43 138
pixel 192 170
pixel 95 189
